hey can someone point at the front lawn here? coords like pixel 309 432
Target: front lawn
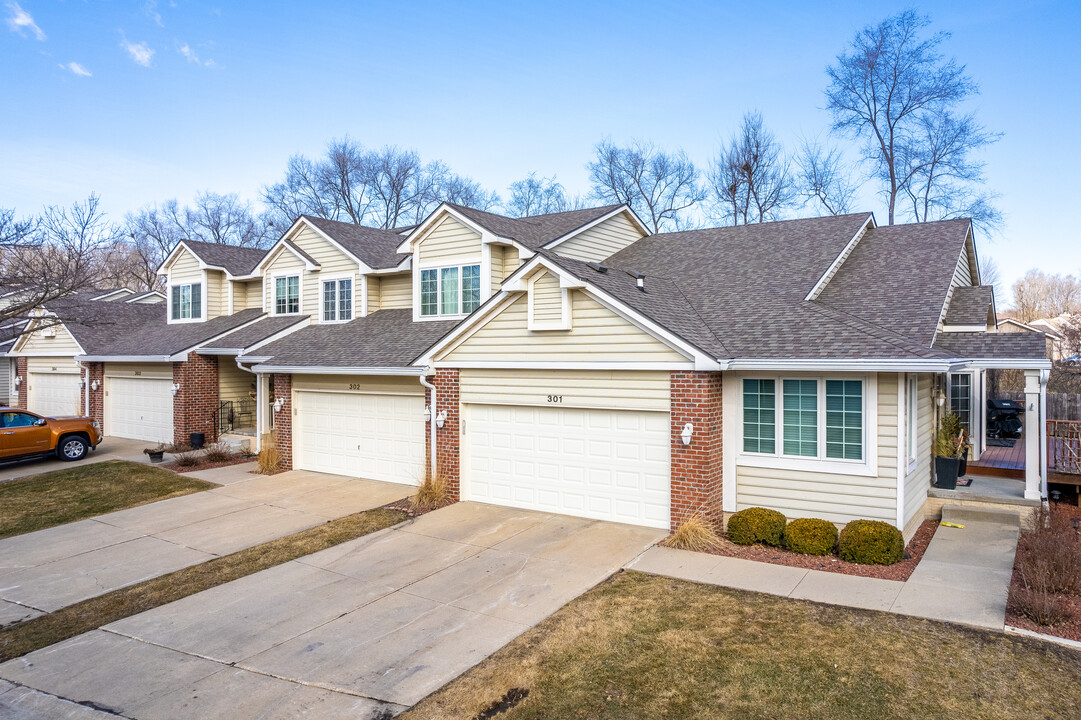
pixel 641 646
pixel 82 491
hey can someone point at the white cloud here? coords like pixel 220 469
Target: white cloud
pixel 140 52
pixel 192 57
pixel 151 10
pixel 77 69
pixel 21 21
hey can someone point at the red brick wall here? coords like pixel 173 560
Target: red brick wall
pixel 696 468
pixel 448 437
pixel 24 386
pixel 283 419
pixel 94 371
pixel 196 400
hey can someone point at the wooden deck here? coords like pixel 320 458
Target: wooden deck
pixel 1007 462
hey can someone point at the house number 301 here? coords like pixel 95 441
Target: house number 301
pixel 555 398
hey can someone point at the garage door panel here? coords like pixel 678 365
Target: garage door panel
pixel 603 464
pixel 376 436
pixel 139 408
pixel 54 394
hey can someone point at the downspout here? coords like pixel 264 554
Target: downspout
pixel 431 416
pixel 86 389
pixel 258 405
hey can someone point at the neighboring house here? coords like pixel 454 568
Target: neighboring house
pixel 575 363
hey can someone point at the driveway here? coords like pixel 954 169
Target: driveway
pixel 361 630
pixel 46 570
pixel 109 449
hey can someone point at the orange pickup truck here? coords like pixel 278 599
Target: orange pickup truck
pixel 26 434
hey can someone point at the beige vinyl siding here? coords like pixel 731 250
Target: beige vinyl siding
pixel 216 294
pixel 359 383
pixel 511 261
pixel 962 274
pixel 373 293
pixel 233 383
pixel 447 241
pixel 286 263
pixel 607 389
pixel 151 370
pixel 185 269
pixel 5 380
pixel 598 335
pixel 63 343
pixel 396 291
pixel 241 298
pixel 831 496
pixel 601 241
pixel 918 481
pixel 255 293
pixel 147 300
pixel 547 298
pixel 497 266
pixel 332 263
pixel 51 365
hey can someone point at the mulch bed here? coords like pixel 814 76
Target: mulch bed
pixel 171 465
pixel 405 505
pixel 779 556
pixel 1071 628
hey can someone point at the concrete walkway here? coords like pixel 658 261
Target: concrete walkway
pixel 110 449
pixel 46 570
pixel 360 630
pixel 963 577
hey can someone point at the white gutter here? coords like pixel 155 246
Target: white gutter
pixel 315 370
pixel 933 366
pixel 124 358
pixel 431 419
pixel 1003 364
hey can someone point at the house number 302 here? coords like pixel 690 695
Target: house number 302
pixel 555 398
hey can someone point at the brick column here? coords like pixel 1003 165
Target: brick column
pixel 24 385
pixel 196 399
pixel 283 419
pixel 448 437
pixel 696 468
pixel 94 371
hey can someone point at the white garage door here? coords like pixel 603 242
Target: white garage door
pixel 375 436
pixel 139 408
pixel 602 464
pixel 54 394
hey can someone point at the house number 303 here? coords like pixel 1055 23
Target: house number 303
pixel 555 398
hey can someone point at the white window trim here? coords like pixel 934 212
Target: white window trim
pixel 565 308
pixel 419 296
pixel 202 301
pixel 337 302
pixel 912 421
pixel 868 467
pixel 274 292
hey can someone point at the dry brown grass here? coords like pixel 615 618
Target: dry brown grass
pixel 1049 565
pixel 186 459
pixel 695 533
pixel 430 494
pixel 93 613
pixel 218 453
pixel 270 458
pixel 642 646
pixel 82 491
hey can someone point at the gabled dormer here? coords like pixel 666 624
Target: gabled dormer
pixel 202 280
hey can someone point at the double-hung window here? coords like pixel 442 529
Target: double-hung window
pixel 805 418
pixel 287 295
pixel 912 415
pixel 338 300
pixel 187 302
pixel 449 290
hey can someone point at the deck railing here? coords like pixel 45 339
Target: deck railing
pixel 1064 446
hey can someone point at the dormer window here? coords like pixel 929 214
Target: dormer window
pixel 287 295
pixel 338 300
pixel 186 302
pixel 450 290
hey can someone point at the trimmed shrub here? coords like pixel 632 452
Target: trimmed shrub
pixel 871 542
pixel 694 533
pixel 811 536
pixel 219 452
pixel 756 525
pixel 186 459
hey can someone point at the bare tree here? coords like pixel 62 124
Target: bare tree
pixel 1045 295
pixel 823 178
pixel 661 187
pixel 890 88
pixel 300 193
pixel 991 275
pixel 750 179
pixel 443 185
pixel 536 196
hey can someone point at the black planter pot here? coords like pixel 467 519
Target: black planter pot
pixel 963 468
pixel 197 440
pixel 946 472
pixel 157 457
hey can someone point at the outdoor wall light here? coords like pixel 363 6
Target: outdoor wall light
pixel 427 413
pixel 688 432
pixel 175 389
pixel 941 399
pixel 82 384
pixel 441 418
pixel 279 404
pixel 18 380
pixel 94 385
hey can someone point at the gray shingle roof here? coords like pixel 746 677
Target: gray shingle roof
pixel 536 230
pixel 249 335
pixel 970 305
pixel 1001 346
pixel 376 247
pixel 386 338
pixel 237 260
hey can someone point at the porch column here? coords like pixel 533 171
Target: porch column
pixel 1035 435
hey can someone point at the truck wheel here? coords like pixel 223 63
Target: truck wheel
pixel 72 448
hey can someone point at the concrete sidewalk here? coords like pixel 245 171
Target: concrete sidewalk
pixel 46 570
pixel 963 577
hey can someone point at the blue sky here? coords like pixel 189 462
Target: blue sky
pixel 169 98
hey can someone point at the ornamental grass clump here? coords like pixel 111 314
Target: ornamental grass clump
pixel 270 458
pixel 811 536
pixel 695 533
pixel 871 542
pixel 431 493
pixel 756 525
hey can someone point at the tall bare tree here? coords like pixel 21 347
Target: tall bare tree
pixel 890 88
pixel 823 179
pixel 536 196
pixel 661 187
pixel 750 180
pixel 1039 295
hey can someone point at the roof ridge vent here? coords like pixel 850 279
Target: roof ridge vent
pixel 598 267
